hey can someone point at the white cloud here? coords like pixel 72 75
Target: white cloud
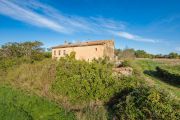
pixel 41 15
pixel 135 37
pixel 19 13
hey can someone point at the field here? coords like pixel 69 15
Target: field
pixel 147 67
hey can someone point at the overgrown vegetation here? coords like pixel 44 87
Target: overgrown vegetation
pixel 144 103
pixel 146 69
pixel 170 74
pixel 83 81
pixel 90 89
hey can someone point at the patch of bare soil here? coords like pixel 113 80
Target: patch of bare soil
pixel 127 71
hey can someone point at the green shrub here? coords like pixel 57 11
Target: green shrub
pixel 81 80
pixel 88 81
pixel 47 54
pixel 170 74
pixel 143 103
pixel 126 63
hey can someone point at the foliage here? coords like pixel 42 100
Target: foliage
pixel 125 54
pixel 16 105
pixel 146 70
pixel 128 54
pixel 144 103
pixel 173 55
pixel 31 50
pixel 14 54
pixel 142 54
pixel 170 74
pixel 47 54
pixel 126 63
pixel 81 80
pixel 131 53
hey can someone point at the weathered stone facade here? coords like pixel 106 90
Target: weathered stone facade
pixel 86 50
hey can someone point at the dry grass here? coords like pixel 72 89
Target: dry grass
pixel 168 61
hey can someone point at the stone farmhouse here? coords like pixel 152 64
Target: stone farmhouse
pixel 86 50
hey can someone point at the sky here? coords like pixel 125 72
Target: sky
pixel 150 25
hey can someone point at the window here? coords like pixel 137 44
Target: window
pixel 64 52
pixel 54 52
pixel 96 49
pixel 59 52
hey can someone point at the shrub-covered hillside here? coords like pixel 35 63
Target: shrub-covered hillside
pixel 73 89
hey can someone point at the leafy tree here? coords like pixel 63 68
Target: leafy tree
pixel 125 54
pixel 173 55
pixel 159 56
pixel 31 50
pixel 142 54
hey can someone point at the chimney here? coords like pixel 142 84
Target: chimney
pixel 65 42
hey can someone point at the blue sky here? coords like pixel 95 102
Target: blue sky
pixel 151 25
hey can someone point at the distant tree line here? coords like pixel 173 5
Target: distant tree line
pixel 131 53
pixel 32 50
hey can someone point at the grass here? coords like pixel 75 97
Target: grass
pixel 21 106
pixel 147 68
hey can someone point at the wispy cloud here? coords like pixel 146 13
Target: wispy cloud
pixel 41 15
pixel 19 13
pixel 130 36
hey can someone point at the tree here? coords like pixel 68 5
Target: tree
pixel 25 49
pixel 128 54
pixel 173 55
pixel 143 54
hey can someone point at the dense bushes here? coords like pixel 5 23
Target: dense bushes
pixel 80 80
pixel 170 74
pixel 143 103
pixel 126 98
pixel 84 81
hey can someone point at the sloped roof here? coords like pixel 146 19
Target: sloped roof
pixel 88 43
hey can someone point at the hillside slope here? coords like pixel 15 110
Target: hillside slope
pixel 147 68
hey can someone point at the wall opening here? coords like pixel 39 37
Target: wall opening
pixel 64 52
pixel 59 52
pixel 54 52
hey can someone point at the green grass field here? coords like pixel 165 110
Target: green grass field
pixel 147 68
pixel 18 105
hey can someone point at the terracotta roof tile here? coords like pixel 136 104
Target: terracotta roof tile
pixel 88 43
